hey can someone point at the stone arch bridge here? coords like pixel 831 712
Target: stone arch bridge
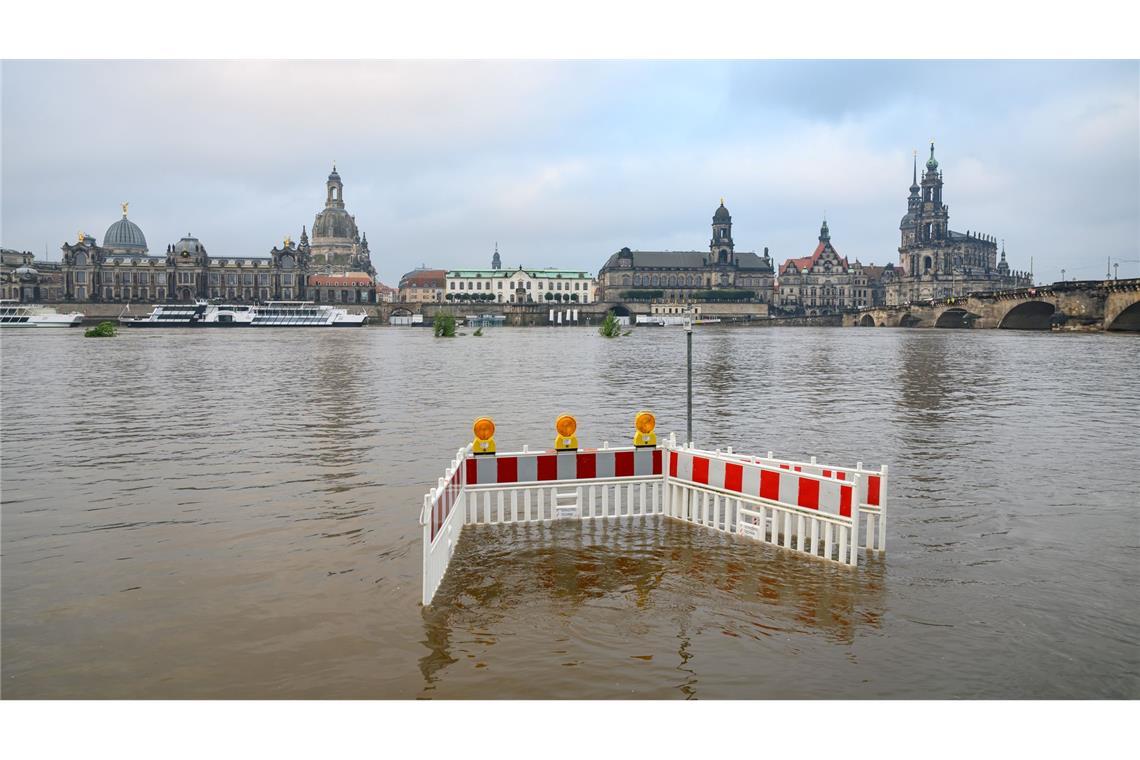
pixel 1079 305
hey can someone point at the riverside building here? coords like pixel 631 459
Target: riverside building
pixel 122 270
pixel 684 276
pixel 520 285
pixel 423 285
pixel 826 283
pixel 936 261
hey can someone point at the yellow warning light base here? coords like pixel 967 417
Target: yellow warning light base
pixel 484 429
pixel 566 427
pixel 645 439
pixel 644 423
pixel 566 443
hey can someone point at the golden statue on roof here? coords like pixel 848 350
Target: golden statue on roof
pixel 288 241
pixel 82 235
pixel 125 204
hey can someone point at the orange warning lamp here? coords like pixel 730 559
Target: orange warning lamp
pixel 484 429
pixel 644 422
pixel 566 440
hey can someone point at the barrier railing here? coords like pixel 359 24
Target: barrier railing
pixel 872 509
pixel 806 507
pixel 795 509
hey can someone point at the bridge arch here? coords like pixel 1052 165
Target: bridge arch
pixel 1031 315
pixel 620 310
pixel 866 321
pixel 1127 320
pixel 909 320
pixel 955 318
pixel 400 311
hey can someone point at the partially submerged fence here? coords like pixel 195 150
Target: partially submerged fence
pixel 805 507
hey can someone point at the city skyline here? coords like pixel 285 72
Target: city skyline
pixel 565 163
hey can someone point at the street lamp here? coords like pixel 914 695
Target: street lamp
pixel 687 321
pixel 1116 271
pixel 1062 275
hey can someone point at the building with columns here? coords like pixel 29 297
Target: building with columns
pixel 936 261
pixel 684 276
pixel 122 270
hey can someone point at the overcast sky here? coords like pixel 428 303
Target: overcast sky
pixel 564 163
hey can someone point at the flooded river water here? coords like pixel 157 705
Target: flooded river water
pixel 233 514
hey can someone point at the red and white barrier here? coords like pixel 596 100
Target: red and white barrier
pixel 872 509
pixel 802 506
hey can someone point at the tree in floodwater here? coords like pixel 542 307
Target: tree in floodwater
pixel 444 325
pixel 610 327
pixel 102 330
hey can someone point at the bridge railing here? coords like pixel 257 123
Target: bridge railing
pixel 805 507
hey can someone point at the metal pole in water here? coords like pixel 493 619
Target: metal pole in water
pixel 689 386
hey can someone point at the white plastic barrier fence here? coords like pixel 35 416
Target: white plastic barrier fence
pixel 802 511
pixel 801 506
pixel 872 510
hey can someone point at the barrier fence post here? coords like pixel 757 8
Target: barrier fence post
pixel 689 385
pixel 883 510
pixel 858 495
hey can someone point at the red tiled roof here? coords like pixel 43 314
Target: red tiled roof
pixel 424 278
pixel 806 262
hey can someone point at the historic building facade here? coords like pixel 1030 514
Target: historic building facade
pixel 338 246
pixel 346 287
pixel 681 276
pixel 423 285
pixel 937 262
pixel 122 270
pixel 826 283
pixel 520 285
pixel 23 279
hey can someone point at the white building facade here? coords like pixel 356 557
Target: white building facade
pixel 520 286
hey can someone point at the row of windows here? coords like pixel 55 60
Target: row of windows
pixel 246 278
pixel 478 285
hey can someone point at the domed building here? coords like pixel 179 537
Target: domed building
pixel 121 271
pixel 337 245
pixel 125 237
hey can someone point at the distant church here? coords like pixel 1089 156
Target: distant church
pixel 936 261
pixel 337 245
pixel 683 276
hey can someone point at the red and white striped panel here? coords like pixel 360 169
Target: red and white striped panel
pixel 786 484
pixel 445 502
pixel 874 482
pixel 586 464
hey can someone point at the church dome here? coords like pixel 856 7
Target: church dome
pixel 189 244
pixel 721 214
pixel 333 222
pixel 124 235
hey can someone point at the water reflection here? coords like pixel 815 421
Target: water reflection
pixel 671 577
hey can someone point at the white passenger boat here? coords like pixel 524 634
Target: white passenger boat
pixel 270 314
pixel 16 314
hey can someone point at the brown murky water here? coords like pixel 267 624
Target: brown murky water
pixel 233 514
